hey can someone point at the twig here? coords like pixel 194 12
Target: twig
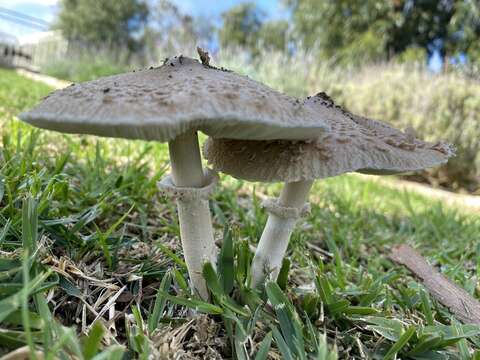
pixel 461 304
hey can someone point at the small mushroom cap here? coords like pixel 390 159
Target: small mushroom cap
pixel 182 94
pixel 354 144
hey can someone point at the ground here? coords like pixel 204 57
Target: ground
pixel 90 259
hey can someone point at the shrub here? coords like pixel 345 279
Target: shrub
pixel 83 64
pixel 439 106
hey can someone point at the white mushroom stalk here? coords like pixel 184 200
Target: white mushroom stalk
pixel 190 187
pixel 283 216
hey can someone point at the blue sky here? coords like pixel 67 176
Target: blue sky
pixel 207 8
pixel 45 10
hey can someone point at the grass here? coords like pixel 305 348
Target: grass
pixel 90 260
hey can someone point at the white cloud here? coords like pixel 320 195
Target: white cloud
pixel 15 3
pixel 41 9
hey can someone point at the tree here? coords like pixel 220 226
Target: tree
pixel 344 30
pixel 173 31
pixel 273 35
pixel 244 27
pixel 241 27
pixel 464 30
pixel 114 23
pixel 422 23
pixel 351 30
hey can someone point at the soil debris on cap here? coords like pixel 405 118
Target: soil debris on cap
pixel 327 99
pixel 204 57
pixel 410 134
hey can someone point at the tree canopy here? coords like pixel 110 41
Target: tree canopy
pixel 241 26
pixel 113 23
pixel 244 26
pixel 350 30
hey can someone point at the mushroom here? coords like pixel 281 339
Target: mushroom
pixel 354 144
pixel 170 104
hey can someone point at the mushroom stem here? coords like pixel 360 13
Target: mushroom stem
pixel 275 237
pixel 196 230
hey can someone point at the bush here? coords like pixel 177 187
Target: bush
pixel 88 64
pixel 444 106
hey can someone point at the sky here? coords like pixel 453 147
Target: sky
pixel 273 8
pixel 46 9
pixel 41 9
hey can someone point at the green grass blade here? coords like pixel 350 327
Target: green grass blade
pixel 462 343
pixel 181 281
pixel 282 345
pixel 4 231
pixel 47 319
pixel 401 343
pixel 425 344
pixel 282 279
pixel 160 302
pixel 93 340
pixel 199 305
pixel 427 307
pixel 324 288
pixel 176 259
pixel 213 282
pixel 13 302
pixel 2 187
pixel 115 352
pixel 29 224
pixel 215 287
pixel 226 267
pixel 264 347
pixel 287 317
pixel 360 310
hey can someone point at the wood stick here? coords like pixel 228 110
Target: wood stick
pixel 461 304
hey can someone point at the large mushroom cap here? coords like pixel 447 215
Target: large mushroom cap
pixel 354 144
pixel 182 94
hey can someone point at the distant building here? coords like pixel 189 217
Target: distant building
pixel 8 49
pixel 41 48
pixel 31 51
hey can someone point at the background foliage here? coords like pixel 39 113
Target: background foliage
pixel 371 56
